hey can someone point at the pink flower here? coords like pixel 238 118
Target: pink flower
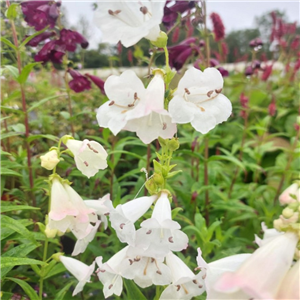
pixel 290 195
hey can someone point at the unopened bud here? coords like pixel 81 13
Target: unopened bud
pixel 57 256
pixel 278 224
pixel 49 160
pixel 173 144
pixel 50 233
pixel 161 41
pixel 288 212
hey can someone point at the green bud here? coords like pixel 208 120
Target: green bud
pixel 161 41
pixel 288 212
pixel 162 142
pixel 158 179
pixel 173 144
pixel 57 256
pixel 65 138
pixel 151 186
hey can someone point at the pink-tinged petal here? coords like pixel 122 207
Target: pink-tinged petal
pixel 286 196
pixel 181 111
pixel 289 288
pixel 261 275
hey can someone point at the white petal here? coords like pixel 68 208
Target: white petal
pixel 181 111
pixel 113 288
pixel 162 209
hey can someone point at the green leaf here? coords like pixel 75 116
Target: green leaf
pixel 42 136
pixel 13 71
pixel 16 226
pixel 8 172
pixel 41 102
pixel 11 13
pixel 31 37
pixel 30 292
pixel 5 208
pixel 175 212
pixel 61 294
pixel 228 158
pixel 10 261
pixel 18 251
pixel 133 292
pixel 26 71
pixel 58 268
pixel 8 43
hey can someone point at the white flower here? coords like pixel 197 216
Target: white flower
pixel 129 21
pixel 261 275
pixel 81 244
pixel 290 195
pixel 102 207
pixel 144 270
pixel 198 100
pixel 289 288
pixel 216 269
pixel 269 234
pixel 90 156
pixel 49 160
pixel 125 215
pixel 185 284
pixel 109 273
pixel 160 234
pixel 134 108
pixel 80 271
pixel 68 211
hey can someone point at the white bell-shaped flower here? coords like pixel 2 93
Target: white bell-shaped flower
pixel 90 156
pixel 82 244
pixel 102 207
pixel 134 108
pixel 144 270
pixel 109 273
pixel 125 215
pixel 79 270
pixel 185 284
pixel 260 276
pixel 160 234
pixel 198 100
pixel 129 21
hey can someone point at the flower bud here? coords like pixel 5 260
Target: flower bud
pixel 173 144
pixel 288 212
pixel 49 160
pixel 161 41
pixel 50 233
pixel 57 256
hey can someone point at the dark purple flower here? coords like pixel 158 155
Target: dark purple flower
pixel 70 38
pixel 98 81
pixel 40 14
pixel 249 71
pixel 179 54
pixel 51 51
pixel 171 13
pixel 223 72
pixel 256 43
pixel 79 82
pixel 39 38
pixel 214 62
pixel 256 64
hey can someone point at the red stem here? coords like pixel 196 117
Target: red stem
pixel 24 108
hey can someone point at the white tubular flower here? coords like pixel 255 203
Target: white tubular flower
pixel 125 215
pixel 160 234
pixel 81 244
pixel 136 109
pixel 215 270
pixel 102 207
pixel 129 21
pixel 79 270
pixel 290 195
pixel 68 210
pixel 269 234
pixel 49 160
pixel 185 284
pixel 90 156
pixel 145 271
pixel 260 276
pixel 289 288
pixel 198 100
pixel 109 273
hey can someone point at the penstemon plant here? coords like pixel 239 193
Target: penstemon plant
pixel 148 243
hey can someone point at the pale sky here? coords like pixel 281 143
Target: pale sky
pixel 236 14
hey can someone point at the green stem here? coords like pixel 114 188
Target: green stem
pixel 42 277
pixel 167 57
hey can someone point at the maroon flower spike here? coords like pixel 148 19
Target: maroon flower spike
pixel 267 72
pixel 40 14
pixel 98 81
pixel 244 100
pixel 79 82
pixel 51 51
pixel 179 54
pixel 70 38
pixel 218 27
pixel 39 38
pixel 272 108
